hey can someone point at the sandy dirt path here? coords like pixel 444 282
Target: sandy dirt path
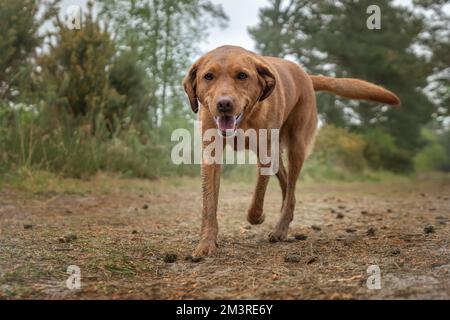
pixel 132 243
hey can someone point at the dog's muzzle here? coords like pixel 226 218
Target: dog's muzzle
pixel 227 125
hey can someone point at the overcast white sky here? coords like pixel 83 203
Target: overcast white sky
pixel 242 14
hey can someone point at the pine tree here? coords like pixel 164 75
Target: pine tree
pixel 436 40
pixel 332 38
pixel 20 21
pixel 75 74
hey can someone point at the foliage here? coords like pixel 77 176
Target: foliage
pixel 382 152
pixel 434 156
pixel 108 96
pixel 338 147
pixel 73 151
pixel 20 21
pixel 331 37
pixel 437 42
pixel 127 76
pixel 163 34
pixel 75 75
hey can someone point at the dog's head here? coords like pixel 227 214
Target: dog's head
pixel 229 82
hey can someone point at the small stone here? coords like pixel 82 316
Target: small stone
pixel 28 226
pixel 301 237
pixel 428 229
pixel 312 260
pixel 364 212
pixel 350 230
pixel 68 238
pixel 273 239
pixel 193 259
pixel 316 228
pixel 339 216
pixel 292 258
pixel 145 206
pixel 170 258
pixel 371 231
pixel 134 232
pixel 441 220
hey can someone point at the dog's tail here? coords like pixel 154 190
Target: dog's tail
pixel 355 89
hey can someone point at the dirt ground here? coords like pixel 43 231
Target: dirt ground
pixel 123 235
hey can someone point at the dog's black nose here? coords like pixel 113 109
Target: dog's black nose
pixel 225 104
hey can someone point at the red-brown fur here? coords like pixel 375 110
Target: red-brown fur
pixel 277 94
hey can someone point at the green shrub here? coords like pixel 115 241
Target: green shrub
pixel 444 140
pixel 337 147
pixel 65 147
pixel 382 153
pixel 431 158
pixel 434 156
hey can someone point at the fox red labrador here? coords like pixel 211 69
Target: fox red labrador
pixel 235 88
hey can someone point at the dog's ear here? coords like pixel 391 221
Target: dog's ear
pixel 267 79
pixel 190 86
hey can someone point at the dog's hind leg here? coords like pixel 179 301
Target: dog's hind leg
pixel 255 214
pixel 296 156
pixel 282 178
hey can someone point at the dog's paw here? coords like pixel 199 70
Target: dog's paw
pixel 255 219
pixel 205 248
pixel 277 236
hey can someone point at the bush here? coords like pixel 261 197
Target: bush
pixel 434 156
pixel 382 153
pixel 336 147
pixel 431 158
pixel 444 140
pixel 73 150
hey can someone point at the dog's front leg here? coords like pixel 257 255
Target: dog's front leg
pixel 210 228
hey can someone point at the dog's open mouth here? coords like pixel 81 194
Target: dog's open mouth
pixel 227 125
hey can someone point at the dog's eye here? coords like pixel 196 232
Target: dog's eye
pixel 209 76
pixel 242 76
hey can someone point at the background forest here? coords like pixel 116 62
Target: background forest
pixel 106 97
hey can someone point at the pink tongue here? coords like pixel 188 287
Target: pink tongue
pixel 226 123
